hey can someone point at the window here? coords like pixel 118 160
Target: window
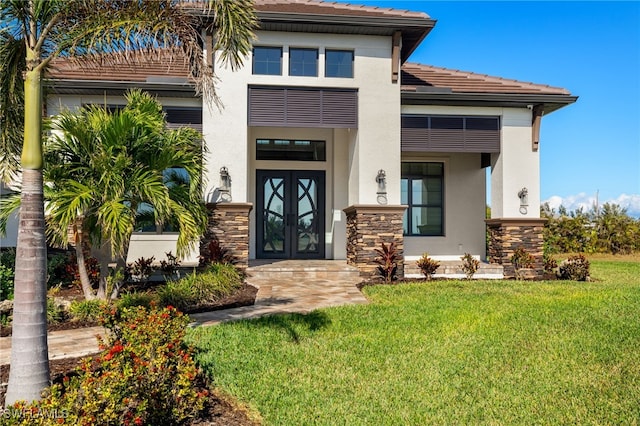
pixel 303 62
pixel 290 150
pixel 267 60
pixel 338 63
pixel 177 180
pixel 422 189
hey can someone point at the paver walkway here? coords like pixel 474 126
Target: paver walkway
pixel 286 292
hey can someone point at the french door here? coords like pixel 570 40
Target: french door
pixel 290 214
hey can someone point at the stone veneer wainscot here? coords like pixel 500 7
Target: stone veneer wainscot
pixel 506 235
pixel 367 227
pixel 229 225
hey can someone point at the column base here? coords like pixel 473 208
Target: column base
pixel 367 227
pixel 229 225
pixel 507 234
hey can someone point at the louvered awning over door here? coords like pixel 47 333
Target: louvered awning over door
pixel 303 107
pixel 437 133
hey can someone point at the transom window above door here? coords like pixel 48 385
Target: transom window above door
pixel 291 150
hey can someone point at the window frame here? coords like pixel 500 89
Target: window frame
pixel 267 63
pixel 303 63
pixel 409 177
pixel 326 62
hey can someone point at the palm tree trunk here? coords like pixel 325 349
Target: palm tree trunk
pixel 82 266
pixel 29 372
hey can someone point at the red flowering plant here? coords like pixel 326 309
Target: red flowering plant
pixel 144 374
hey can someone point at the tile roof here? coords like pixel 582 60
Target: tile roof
pixel 120 69
pixel 417 76
pixel 333 8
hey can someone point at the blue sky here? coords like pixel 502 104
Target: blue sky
pixel 590 48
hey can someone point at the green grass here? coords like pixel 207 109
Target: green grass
pixel 445 352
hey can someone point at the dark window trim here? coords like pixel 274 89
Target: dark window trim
pixel 322 153
pixel 410 203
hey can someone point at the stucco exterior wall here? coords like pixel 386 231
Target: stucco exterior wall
pixel 515 167
pixel 354 156
pixel 464 206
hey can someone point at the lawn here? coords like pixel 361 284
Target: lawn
pixel 445 352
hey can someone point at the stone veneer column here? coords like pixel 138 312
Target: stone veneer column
pixel 506 235
pixel 367 227
pixel 229 225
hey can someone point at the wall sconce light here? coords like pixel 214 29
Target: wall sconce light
pixel 381 179
pixel 225 184
pixel 523 194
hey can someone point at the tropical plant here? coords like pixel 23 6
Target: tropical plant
pixel 427 266
pixel 171 267
pixel 576 267
pixel 35 32
pixel 387 261
pixel 521 259
pixel 470 265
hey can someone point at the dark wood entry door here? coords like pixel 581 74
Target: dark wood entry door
pixel 290 214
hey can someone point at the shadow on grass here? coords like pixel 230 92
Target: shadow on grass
pixel 294 324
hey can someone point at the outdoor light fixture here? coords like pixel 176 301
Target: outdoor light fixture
pixel 381 179
pixel 523 194
pixel 225 184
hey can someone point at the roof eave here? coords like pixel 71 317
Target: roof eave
pixel 550 102
pixel 89 87
pixel 419 27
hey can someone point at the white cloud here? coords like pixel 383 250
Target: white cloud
pixel 587 201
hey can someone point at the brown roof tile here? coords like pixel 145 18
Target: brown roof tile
pixel 118 68
pixel 333 8
pixel 415 76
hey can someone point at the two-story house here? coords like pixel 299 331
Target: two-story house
pixel 330 141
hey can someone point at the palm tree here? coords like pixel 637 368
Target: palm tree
pixel 101 167
pixel 44 30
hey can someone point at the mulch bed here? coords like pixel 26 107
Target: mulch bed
pixel 244 296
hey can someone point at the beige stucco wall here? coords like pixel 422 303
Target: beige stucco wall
pixel 515 167
pixel 354 156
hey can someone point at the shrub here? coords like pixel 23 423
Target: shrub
pixel 549 262
pixel 387 261
pixel 58 270
pixel 427 265
pixel 218 281
pixel 86 310
pixel 93 270
pixel 144 375
pixel 575 268
pixel 470 265
pixel 216 253
pixel 128 300
pixel 170 267
pixel 140 270
pixel 55 311
pixel 6 283
pixel 521 259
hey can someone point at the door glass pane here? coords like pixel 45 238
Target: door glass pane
pixel 307 236
pixel 273 238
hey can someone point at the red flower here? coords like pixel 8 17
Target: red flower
pixel 137 421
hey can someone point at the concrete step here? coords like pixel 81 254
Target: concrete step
pixel 453 269
pixel 266 270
